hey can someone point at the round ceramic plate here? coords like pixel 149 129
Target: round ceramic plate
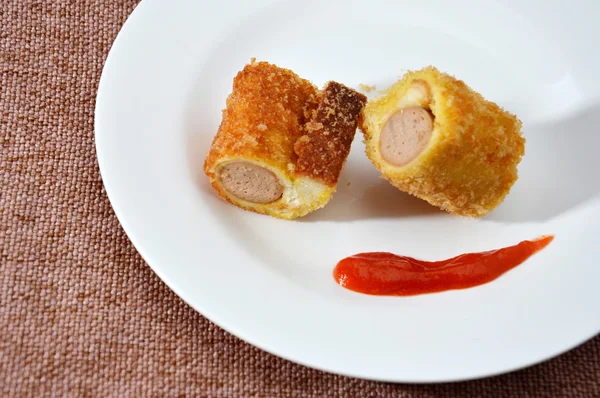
pixel 270 281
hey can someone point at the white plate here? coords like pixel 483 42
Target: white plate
pixel 270 281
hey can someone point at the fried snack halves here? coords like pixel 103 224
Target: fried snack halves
pixel 432 136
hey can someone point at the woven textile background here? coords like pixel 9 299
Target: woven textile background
pixel 80 312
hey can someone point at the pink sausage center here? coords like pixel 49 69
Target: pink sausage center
pixel 250 182
pixel 405 135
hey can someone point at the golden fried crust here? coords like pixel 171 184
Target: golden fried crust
pixel 267 113
pixel 264 116
pixel 324 149
pixel 471 161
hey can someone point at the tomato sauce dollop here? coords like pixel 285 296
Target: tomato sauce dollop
pixel 387 274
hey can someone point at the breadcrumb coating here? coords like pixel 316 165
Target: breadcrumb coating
pixel 283 123
pixel 323 150
pixel 470 163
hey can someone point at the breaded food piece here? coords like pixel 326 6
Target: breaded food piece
pixel 432 136
pixel 282 143
pixel 323 150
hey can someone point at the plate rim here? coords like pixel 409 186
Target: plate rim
pixel 207 313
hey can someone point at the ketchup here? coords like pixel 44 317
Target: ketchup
pixel 387 274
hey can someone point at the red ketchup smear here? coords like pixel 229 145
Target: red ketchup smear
pixel 387 274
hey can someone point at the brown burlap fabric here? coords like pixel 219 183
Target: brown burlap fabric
pixel 80 312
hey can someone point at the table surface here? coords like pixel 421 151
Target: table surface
pixel 81 314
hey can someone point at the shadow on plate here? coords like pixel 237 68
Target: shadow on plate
pixel 368 196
